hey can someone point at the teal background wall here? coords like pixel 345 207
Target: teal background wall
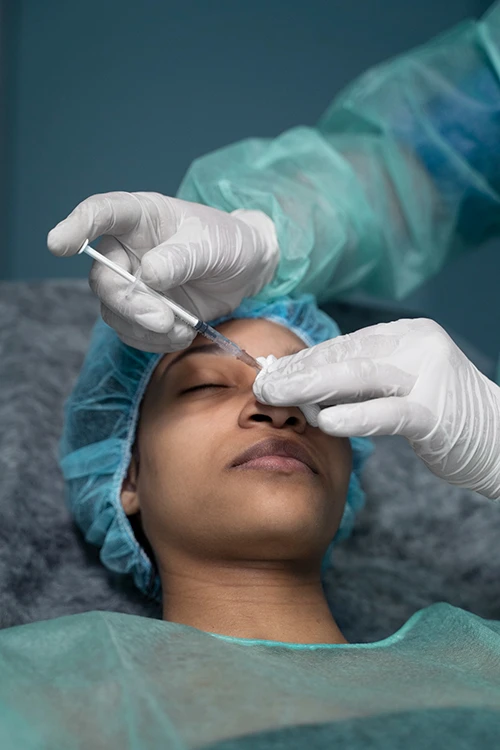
pixel 103 95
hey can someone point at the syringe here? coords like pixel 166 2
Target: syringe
pixel 199 325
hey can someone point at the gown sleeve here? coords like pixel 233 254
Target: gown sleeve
pixel 400 174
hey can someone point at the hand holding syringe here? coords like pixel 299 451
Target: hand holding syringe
pixel 199 325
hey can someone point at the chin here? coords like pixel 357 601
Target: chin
pixel 293 504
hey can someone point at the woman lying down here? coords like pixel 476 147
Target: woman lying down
pixel 226 510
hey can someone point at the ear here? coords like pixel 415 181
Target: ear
pixel 129 493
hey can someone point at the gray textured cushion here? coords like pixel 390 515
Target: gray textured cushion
pixel 417 541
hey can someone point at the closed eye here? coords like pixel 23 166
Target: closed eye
pixel 204 385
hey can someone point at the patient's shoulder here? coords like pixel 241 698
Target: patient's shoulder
pixel 442 616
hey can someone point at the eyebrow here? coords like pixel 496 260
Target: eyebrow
pixel 213 349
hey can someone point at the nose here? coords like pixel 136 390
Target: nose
pixel 278 416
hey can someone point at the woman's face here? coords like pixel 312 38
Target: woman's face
pixel 198 415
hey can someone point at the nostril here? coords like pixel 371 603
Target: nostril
pixel 261 418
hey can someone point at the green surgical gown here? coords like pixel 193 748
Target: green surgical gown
pixel 400 175
pixel 113 681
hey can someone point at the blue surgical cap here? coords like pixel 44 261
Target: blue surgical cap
pixel 100 422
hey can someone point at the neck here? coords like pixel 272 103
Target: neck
pixel 257 600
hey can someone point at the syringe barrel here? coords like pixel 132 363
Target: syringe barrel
pixel 181 313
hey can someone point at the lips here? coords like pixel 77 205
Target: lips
pixel 276 447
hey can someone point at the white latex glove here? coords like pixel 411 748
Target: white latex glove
pixel 403 378
pixel 310 411
pixel 204 259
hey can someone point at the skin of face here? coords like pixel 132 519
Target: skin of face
pixel 195 510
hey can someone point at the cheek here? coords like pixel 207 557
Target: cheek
pixel 339 452
pixel 177 482
pixel 176 457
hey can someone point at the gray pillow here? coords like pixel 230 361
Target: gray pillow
pixel 417 541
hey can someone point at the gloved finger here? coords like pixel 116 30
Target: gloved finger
pixel 118 296
pixel 385 416
pixel 178 337
pixel 178 260
pixel 351 381
pixel 114 213
pixel 311 413
pixel 150 348
pixel 374 342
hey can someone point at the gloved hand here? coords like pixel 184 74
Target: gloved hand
pixel 403 378
pixel 204 259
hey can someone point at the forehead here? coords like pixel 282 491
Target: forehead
pixel 259 337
